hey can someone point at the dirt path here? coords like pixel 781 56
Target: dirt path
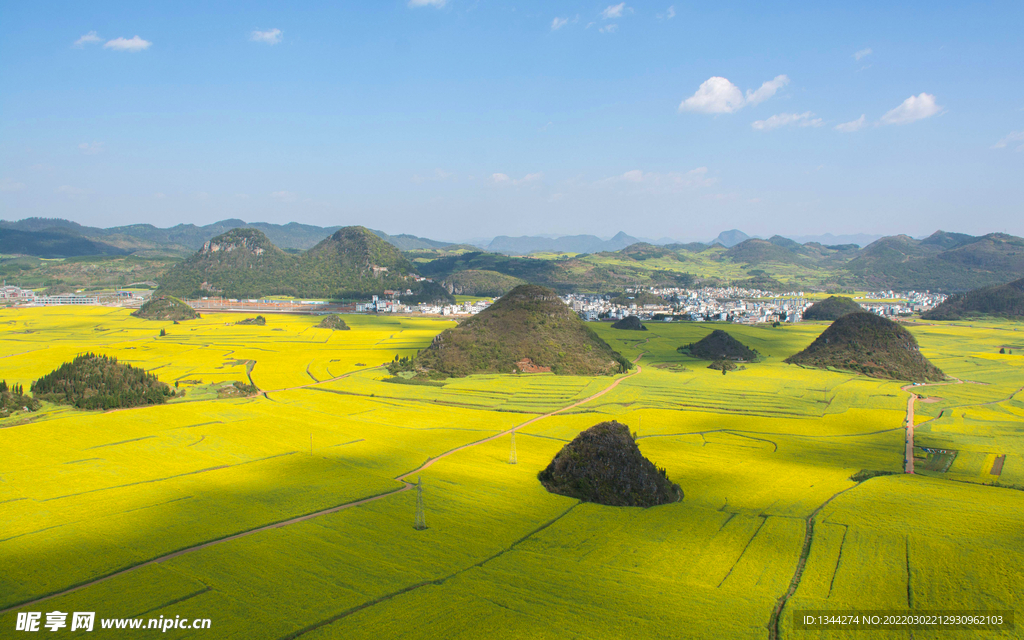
pixel 348 505
pixel 909 425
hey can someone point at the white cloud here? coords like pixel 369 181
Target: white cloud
pixel 439 174
pixel 669 13
pixel 284 196
pixel 159 195
pixel 913 109
pixel 609 28
pixel 558 23
pixel 428 3
pixel 10 186
pixel 863 53
pixel 91 148
pixel 89 38
pixel 715 95
pixel 613 11
pixel 1013 137
pixel 504 179
pixel 767 89
pixel 852 125
pixel 718 95
pixel 805 119
pixel 128 44
pixel 271 36
pixel 202 195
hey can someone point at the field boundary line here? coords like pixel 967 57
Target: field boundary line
pixel 355 503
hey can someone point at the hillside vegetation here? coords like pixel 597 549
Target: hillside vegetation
pixel 630 323
pixel 93 381
pixel 352 262
pixel 1005 300
pixel 604 465
pixel 530 323
pixel 333 322
pixel 165 308
pixel 719 345
pixel 831 308
pixel 871 345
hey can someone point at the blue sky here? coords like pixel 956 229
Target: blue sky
pixel 457 119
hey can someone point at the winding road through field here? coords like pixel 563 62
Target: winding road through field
pixel 348 505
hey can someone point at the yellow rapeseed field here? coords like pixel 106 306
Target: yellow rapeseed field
pixel 763 455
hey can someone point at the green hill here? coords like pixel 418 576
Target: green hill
pixel 352 263
pixel 528 329
pixel 93 381
pixel 719 345
pixel 630 323
pixel 165 308
pixel 869 344
pixel 333 322
pixel 1005 300
pixel 831 308
pixel 604 465
pixel 480 282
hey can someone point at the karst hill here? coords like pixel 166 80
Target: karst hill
pixel 604 465
pixel 166 308
pixel 351 262
pixel 871 345
pixel 630 323
pixel 527 329
pixel 831 308
pixel 1005 300
pixel 719 345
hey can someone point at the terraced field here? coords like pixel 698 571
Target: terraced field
pixel 764 455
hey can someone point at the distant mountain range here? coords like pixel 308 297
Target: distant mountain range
pixel 58 238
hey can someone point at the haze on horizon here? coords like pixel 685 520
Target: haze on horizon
pixel 454 119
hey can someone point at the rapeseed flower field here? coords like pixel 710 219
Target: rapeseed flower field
pixel 764 455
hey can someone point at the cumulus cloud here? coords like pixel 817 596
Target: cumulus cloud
pixel 89 38
pixel 558 23
pixel 91 148
pixel 609 28
pixel 913 109
pixel 613 11
pixel 805 119
pixel 1012 138
pixel 852 125
pixel 767 89
pixel 271 36
pixel 9 186
pixel 863 53
pixel 438 4
pixel 128 44
pixel 718 95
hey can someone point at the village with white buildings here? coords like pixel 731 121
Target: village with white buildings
pixel 708 304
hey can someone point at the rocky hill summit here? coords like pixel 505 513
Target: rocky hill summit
pixel 529 323
pixel 871 345
pixel 604 465
pixel 831 308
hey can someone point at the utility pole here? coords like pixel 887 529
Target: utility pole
pixel 421 521
pixel 512 456
pixel 311 443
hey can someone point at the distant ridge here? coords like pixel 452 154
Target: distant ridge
pixel 566 244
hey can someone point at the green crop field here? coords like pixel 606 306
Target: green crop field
pixel 764 455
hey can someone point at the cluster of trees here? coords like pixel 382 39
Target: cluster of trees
pixel 92 381
pixel 14 398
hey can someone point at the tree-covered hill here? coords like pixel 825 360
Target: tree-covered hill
pixel 92 381
pixel 528 329
pixel 869 344
pixel 831 308
pixel 1005 300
